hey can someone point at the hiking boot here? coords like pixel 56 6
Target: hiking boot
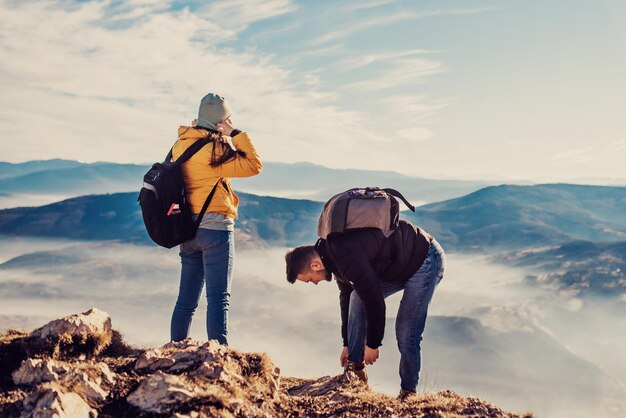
pixel 358 368
pixel 406 395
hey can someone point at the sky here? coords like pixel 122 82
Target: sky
pixel 465 89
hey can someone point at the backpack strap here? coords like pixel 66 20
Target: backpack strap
pixel 208 200
pixel 397 194
pixel 189 152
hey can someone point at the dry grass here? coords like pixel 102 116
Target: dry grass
pixel 353 399
pixel 250 388
pixel 16 346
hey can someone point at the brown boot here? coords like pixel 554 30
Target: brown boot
pixel 406 395
pixel 357 368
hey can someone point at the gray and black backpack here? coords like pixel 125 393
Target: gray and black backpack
pixel 368 207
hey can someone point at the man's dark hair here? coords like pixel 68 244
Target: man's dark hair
pixel 298 261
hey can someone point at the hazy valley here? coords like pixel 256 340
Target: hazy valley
pixel 528 316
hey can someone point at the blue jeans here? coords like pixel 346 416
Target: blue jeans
pixel 416 296
pixel 208 258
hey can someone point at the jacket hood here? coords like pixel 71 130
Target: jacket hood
pixel 188 132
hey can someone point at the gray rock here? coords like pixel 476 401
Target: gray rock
pixel 329 385
pixel 33 371
pixel 82 379
pixel 161 391
pixel 81 384
pixel 153 360
pixel 51 401
pixel 92 322
pixel 179 356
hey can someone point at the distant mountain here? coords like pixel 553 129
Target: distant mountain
pixel 77 180
pixel 299 180
pixel 501 217
pixel 263 220
pixel 18 169
pixel 579 267
pixel 316 182
pixel 513 217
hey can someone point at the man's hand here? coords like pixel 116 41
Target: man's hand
pixel 371 355
pixel 343 358
pixel 226 126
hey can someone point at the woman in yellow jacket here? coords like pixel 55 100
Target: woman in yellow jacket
pixel 208 258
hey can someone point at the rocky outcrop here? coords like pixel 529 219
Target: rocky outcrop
pixel 90 323
pixel 52 401
pixel 79 367
pixel 189 372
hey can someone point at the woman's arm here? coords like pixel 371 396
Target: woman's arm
pixel 246 162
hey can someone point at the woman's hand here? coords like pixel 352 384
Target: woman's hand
pixel 226 126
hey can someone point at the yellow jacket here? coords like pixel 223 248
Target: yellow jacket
pixel 200 177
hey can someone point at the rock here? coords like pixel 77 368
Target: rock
pixel 89 333
pixel 209 370
pixel 105 374
pixel 82 379
pixel 153 360
pixel 329 385
pixel 179 356
pixel 92 322
pixel 81 384
pixel 34 371
pixel 161 391
pixel 51 401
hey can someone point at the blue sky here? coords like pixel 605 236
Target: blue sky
pixel 492 89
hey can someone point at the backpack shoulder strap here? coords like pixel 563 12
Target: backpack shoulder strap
pixel 206 202
pixel 397 194
pixel 189 152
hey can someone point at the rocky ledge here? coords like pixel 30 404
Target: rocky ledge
pixel 78 366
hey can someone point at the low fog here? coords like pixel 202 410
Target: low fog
pixel 489 333
pixel 13 200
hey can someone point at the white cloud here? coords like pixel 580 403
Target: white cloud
pixel 364 60
pixel 335 49
pixel 363 5
pixel 241 13
pixel 399 72
pixel 413 134
pixel 269 34
pixel 77 84
pixel 413 108
pixel 600 151
pixel 619 145
pixel 73 88
pixel 352 28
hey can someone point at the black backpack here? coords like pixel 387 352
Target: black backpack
pixel 166 212
pixel 361 207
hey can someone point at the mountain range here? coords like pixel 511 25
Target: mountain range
pixel 498 217
pixel 299 180
pixel 571 236
pixel 511 217
pixel 8 170
pixel 575 267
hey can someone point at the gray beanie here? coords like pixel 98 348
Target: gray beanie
pixel 213 109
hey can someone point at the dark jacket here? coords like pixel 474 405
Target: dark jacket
pixel 360 258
